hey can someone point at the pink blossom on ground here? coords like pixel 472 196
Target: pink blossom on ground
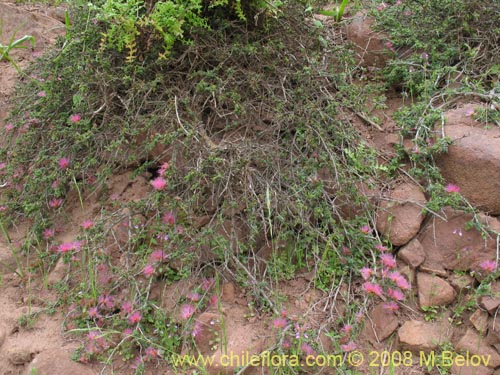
pixel 381 248
pixel 127 332
pixel 371 288
pixel 127 307
pixel 396 294
pixel 93 313
pixel 388 260
pixel 148 270
pixel 151 353
pixel 69 246
pixel 159 183
pixel 196 329
pixel 280 323
pixel 48 233
pixel 488 266
pixel 163 169
pixel 168 218
pixel 56 203
pixel 187 311
pixel 365 229
pixel 41 94
pixel 452 188
pixel 87 224
pixel 207 284
pixel 349 347
pixel 347 329
pixel 307 349
pixel 9 127
pixel 213 301
pixel 402 283
pixel 193 296
pixel 393 306
pixel 107 301
pixel 158 256
pixel 75 118
pixel 135 317
pixel 366 273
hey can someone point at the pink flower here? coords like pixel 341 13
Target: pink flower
pixel 402 283
pixel 366 273
pixel 107 300
pixel 207 284
pixel 196 329
pixel 388 260
pixel 163 169
pixel 396 294
pixel 213 301
pixel 48 233
pixel 158 256
pixel 56 203
pixel 349 347
pixel 93 313
pixel 168 218
pixel 451 188
pixel 87 224
pixel 280 323
pixel 69 246
pixel 365 229
pixel 159 183
pixel 41 94
pixel 187 311
pixel 151 353
pixel 75 118
pixel 307 349
pixel 135 317
pixel 392 306
pixel 149 270
pixel 347 329
pixel 127 307
pixel 9 127
pixel 390 46
pixel 127 332
pixel 381 248
pixel 488 265
pixel 373 288
pixel 63 163
pixel 193 296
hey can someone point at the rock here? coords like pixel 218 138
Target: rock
pixel 385 322
pixel 475 344
pixel 19 356
pixel 369 45
pixel 417 336
pixel 479 320
pixel 470 370
pixel 400 217
pixel 477 146
pixel 56 361
pixel 412 253
pixel 490 303
pixel 434 291
pixel 461 282
pixel 449 246
pixel 493 337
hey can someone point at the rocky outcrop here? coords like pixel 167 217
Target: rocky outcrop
pixel 400 215
pixel 419 336
pixel 434 291
pixel 473 159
